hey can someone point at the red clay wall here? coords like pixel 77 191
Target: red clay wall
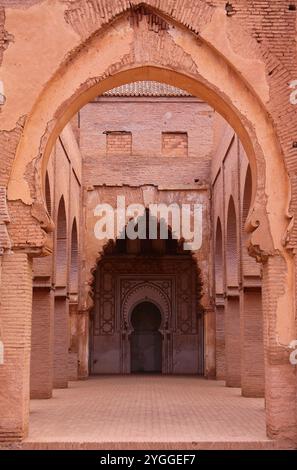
pixel 146 119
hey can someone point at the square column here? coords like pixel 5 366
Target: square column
pixel 280 374
pixel 61 341
pixel 210 342
pixel 220 339
pixel 16 308
pixel 232 341
pixel 252 347
pixel 83 344
pixel 73 341
pixel 42 343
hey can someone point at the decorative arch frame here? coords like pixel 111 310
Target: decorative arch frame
pixel 146 291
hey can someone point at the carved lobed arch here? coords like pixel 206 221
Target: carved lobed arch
pixel 175 56
pixel 146 291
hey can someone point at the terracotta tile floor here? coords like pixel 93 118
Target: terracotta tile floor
pixel 147 412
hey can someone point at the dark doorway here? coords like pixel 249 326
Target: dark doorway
pixel 146 339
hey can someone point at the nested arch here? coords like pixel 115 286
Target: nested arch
pixel 140 320
pixel 148 292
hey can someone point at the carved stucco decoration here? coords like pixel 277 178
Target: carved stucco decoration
pixel 146 291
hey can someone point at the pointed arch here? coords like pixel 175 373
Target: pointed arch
pixel 249 266
pixel 74 259
pixel 232 246
pixel 200 69
pixel 219 272
pixel 61 245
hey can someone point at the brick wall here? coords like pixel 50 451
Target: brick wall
pixel 61 342
pixel 252 347
pixel 175 144
pixel 41 379
pixel 232 342
pixel 269 22
pixel 118 143
pixel 220 343
pixel 146 119
pixel 16 307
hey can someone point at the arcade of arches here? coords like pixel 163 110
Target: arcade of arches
pixel 149 102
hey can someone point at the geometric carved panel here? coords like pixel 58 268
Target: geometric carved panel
pixel 170 281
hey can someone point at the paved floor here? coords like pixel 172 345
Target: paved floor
pixel 147 412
